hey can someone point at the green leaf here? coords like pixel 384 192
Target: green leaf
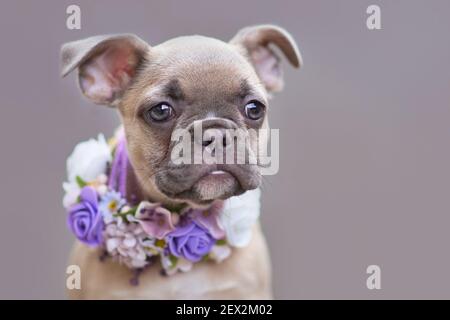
pixel 124 215
pixel 221 242
pixel 132 211
pixel 176 208
pixel 173 260
pixel 81 182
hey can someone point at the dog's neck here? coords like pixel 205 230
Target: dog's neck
pixel 136 229
pixel 136 193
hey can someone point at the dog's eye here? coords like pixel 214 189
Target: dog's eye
pixel 254 110
pixel 161 112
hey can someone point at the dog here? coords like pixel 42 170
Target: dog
pixel 156 90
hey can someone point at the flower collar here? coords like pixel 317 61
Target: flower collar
pixel 136 233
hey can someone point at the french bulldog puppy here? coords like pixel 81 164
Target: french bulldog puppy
pixel 156 90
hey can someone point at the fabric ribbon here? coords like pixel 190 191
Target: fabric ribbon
pixel 119 168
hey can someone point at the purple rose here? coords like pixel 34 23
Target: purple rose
pixel 84 218
pixel 190 241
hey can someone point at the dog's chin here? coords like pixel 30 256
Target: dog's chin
pixel 215 185
pixel 201 185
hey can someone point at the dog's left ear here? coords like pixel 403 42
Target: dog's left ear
pixel 256 40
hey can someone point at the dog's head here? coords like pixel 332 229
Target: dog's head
pixel 180 84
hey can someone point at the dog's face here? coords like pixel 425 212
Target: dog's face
pixel 183 84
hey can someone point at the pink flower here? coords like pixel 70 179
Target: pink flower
pixel 124 242
pixel 209 219
pixel 154 219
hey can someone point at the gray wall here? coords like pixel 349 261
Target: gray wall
pixel 364 130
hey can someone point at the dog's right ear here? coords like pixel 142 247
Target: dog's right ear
pixel 106 64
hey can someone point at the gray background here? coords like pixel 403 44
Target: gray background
pixel 364 130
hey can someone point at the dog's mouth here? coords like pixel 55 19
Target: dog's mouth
pixel 208 183
pixel 212 185
pixel 217 184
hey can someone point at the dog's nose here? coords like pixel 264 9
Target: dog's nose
pixel 211 132
pixel 216 135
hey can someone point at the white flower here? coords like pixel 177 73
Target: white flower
pixel 110 204
pixel 89 159
pixel 220 252
pixel 181 264
pixel 151 246
pixel 102 189
pixel 238 217
pixel 72 192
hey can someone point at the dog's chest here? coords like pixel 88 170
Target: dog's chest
pixel 244 275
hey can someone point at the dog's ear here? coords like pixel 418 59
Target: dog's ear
pixel 106 64
pixel 256 40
